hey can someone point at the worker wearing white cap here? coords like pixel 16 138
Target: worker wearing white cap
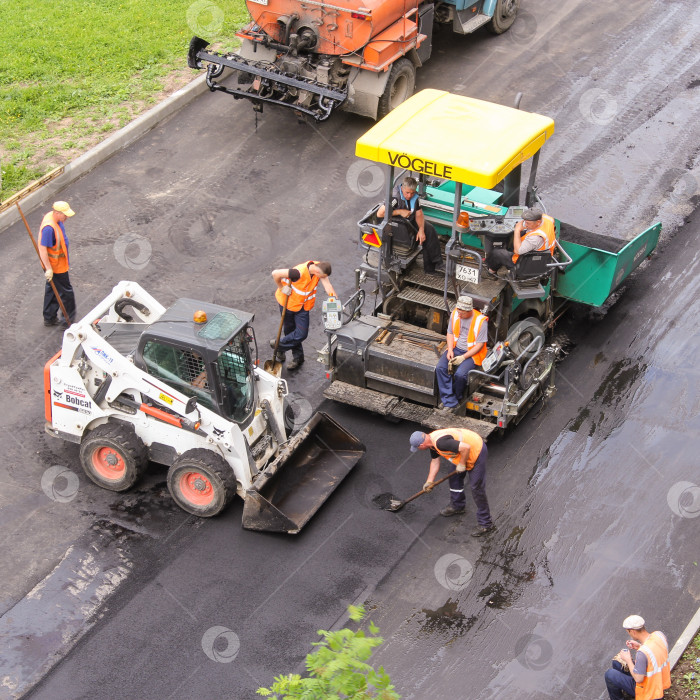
pixel 649 674
pixel 53 251
pixel 467 333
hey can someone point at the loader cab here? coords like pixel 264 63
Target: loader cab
pixel 211 360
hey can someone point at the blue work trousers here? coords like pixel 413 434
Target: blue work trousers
pixel 477 483
pixel 294 332
pixel 616 681
pixel 451 387
pixel 65 291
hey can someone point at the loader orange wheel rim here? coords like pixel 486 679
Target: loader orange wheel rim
pixel 108 463
pixel 196 488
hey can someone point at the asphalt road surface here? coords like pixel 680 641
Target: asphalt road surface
pixel 595 496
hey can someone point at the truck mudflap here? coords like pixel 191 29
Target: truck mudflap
pixel 268 83
pixel 301 479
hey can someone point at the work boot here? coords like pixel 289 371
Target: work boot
pixel 295 363
pixel 451 510
pixel 439 269
pixel 481 530
pixel 51 321
pixel 279 357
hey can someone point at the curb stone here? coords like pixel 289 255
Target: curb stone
pixel 684 640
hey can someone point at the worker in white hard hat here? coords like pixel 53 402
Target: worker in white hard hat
pixel 648 674
pixel 53 251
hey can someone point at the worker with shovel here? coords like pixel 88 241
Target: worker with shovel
pixel 296 296
pixel 467 451
pixel 53 251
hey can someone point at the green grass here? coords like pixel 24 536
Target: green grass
pixel 685 677
pixel 73 70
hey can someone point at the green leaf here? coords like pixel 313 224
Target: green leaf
pixel 356 612
pixel 338 668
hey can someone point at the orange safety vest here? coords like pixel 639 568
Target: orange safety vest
pixel 477 319
pixel 658 670
pixel 472 439
pixel 303 294
pixel 58 254
pixel 546 229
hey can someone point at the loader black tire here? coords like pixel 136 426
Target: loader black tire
pixel 201 482
pixel 522 333
pixel 113 456
pixel 503 16
pixel 399 86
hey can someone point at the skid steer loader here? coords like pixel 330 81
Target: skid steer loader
pixel 135 382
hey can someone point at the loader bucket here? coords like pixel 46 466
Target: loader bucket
pixel 298 482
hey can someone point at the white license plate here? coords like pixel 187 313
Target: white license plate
pixel 467 274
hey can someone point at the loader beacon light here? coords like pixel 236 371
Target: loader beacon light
pixel 200 317
pixel 332 314
pixel 372 239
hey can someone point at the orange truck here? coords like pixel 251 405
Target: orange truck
pixel 360 56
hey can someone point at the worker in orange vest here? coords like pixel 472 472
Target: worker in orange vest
pixel 649 673
pixel 298 284
pixel 540 234
pixel 467 333
pixel 53 251
pixel 467 451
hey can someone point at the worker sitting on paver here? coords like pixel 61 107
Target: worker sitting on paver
pixel 405 202
pixel 467 333
pixel 467 450
pixel 540 234
pixel 649 674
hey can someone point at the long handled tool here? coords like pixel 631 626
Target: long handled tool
pixel 272 366
pixel 395 505
pixel 15 199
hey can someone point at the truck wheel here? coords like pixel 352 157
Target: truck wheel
pixel 503 16
pixel 113 456
pixel 522 333
pixel 399 87
pixel 201 483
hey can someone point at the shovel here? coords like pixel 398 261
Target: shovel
pixel 395 505
pixel 272 366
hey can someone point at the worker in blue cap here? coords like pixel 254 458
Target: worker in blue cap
pixel 467 451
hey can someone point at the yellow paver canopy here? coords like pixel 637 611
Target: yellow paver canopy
pixel 456 138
